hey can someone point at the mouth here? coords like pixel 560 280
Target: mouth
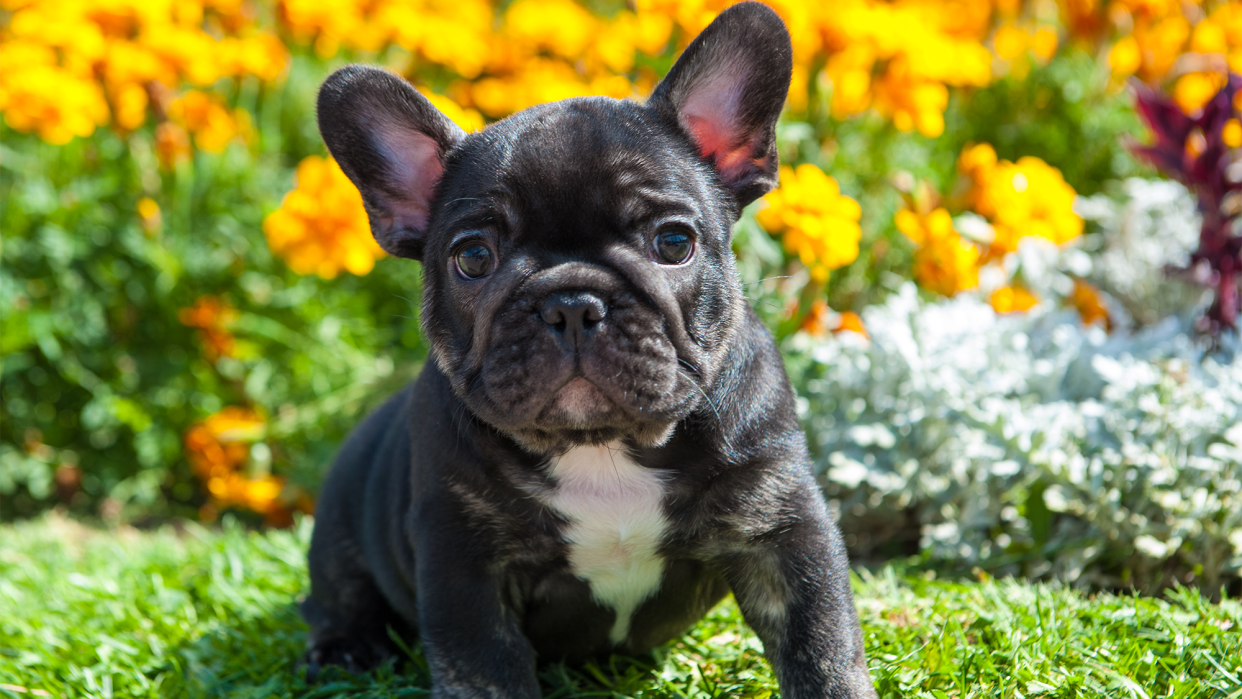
pixel 579 404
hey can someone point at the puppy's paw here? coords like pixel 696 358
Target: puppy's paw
pixel 353 656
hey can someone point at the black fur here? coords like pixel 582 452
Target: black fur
pixel 433 520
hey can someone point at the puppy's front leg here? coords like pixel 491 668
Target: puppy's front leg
pixel 471 638
pixel 791 580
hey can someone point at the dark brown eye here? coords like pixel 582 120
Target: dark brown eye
pixel 673 247
pixel 475 260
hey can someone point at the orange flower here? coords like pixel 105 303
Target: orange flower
pixel 851 322
pixel 321 226
pixel 212 317
pixel 944 262
pixel 1086 300
pixel 172 144
pixel 1012 299
pixel 211 122
pixel 221 443
pixel 218 449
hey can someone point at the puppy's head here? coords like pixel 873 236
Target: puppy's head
pixel 578 280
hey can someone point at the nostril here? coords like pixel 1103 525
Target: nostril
pixel 572 315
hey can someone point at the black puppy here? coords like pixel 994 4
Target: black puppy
pixel 606 443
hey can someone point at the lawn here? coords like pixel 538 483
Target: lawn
pixel 190 612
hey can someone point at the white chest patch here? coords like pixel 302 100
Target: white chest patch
pixel 616 522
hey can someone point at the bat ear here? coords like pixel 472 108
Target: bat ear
pixel 726 92
pixel 392 145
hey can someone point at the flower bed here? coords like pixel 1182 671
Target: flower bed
pixel 1031 443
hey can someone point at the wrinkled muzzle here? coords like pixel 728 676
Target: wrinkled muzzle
pixel 579 353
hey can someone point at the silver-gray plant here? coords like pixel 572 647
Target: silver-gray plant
pixel 1031 443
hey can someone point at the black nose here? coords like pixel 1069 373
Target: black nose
pixel 573 315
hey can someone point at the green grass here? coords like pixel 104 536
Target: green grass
pixel 198 613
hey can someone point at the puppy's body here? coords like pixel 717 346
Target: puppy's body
pixel 606 443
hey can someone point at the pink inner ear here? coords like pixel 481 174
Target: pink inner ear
pixel 716 143
pixel 416 169
pixel 710 115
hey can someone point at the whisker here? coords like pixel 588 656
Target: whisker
pixel 712 405
pixel 765 279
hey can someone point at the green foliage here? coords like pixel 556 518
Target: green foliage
pixel 99 371
pixel 196 613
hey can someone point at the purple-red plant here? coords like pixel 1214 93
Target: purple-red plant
pixel 1192 150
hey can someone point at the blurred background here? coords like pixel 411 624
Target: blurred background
pixel 1002 263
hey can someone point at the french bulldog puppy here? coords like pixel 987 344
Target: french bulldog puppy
pixel 605 443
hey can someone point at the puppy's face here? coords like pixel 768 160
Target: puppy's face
pixel 579 285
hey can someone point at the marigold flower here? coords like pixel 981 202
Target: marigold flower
pixel 1231 134
pixel 851 322
pixel 468 119
pixel 218 449
pixel 911 103
pixel 561 27
pixel 50 101
pixel 944 262
pixel 149 213
pixel 206 117
pixel 1044 43
pixel 1125 57
pixel 1012 299
pixel 129 102
pixel 819 224
pixel 172 144
pixel 1026 198
pixel 850 74
pixel 212 317
pixel 220 444
pixel 62 56
pixel 321 226
pixel 1010 42
pixel 1086 300
pixel 1193 90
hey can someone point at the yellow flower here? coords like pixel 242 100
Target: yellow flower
pixel 850 73
pixel 911 103
pixel 149 213
pixel 1012 299
pixel 206 117
pixel 1010 42
pixel 62 56
pixel 321 226
pixel 819 224
pixel 1125 57
pixel 1161 43
pixel 1232 134
pixel 944 262
pixel 977 161
pixel 51 102
pixel 1044 43
pixel 561 27
pixel 1193 90
pixel 468 119
pixel 1026 198
pixel 129 103
pixel 1221 33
